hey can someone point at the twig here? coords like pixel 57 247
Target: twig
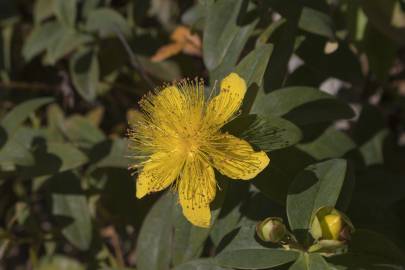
pixel 115 242
pixel 133 59
pixel 28 86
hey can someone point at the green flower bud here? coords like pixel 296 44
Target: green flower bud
pixel 272 229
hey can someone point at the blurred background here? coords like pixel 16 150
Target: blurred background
pixel 72 72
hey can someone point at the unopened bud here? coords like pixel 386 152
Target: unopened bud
pixel 271 230
pixel 331 229
pixel 330 224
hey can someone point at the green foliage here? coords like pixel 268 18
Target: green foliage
pixel 325 101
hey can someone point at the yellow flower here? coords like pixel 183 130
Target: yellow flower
pixel 177 142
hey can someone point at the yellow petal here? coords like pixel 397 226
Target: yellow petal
pixel 158 173
pixel 224 106
pixel 236 158
pixel 331 226
pixel 197 189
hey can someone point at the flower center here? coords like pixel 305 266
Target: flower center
pixel 188 145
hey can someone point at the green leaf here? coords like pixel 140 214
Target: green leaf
pixel 82 132
pixel 244 252
pixel 269 31
pixel 285 164
pixel 381 52
pixel 111 153
pixel 43 9
pixel 84 69
pixel 316 22
pixel 51 158
pixel 372 150
pixel 106 21
pixel 255 258
pixel 14 153
pixel 311 261
pixel 58 262
pixel 79 228
pixel 253 65
pixel 155 237
pixel 284 40
pixel 331 144
pixel 317 186
pixel 267 132
pixel 66 11
pixel 251 69
pixel 302 106
pixel 70 156
pixel 224 36
pixel 200 264
pixel 39 39
pixel 65 41
pixel 230 215
pixel 89 6
pixel 21 112
pixel 188 239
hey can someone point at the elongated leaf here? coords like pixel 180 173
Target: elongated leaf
pixel 43 9
pixel 106 21
pixel 154 242
pixel 84 69
pixel 302 105
pixel 39 39
pixel 267 132
pixel 51 158
pixel 381 52
pixel 82 132
pixel 255 258
pixel 66 11
pixel 316 22
pixel 318 185
pixel 79 229
pixel 331 144
pixel 253 65
pixel 244 252
pixel 224 36
pixel 310 262
pixel 21 112
pixel 201 264
pixel 111 153
pixel 284 46
pixel 59 262
pixel 188 239
pixel 285 164
pixel 66 40
pixel 14 153
pixel 252 68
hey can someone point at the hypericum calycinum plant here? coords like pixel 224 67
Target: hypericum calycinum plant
pixel 177 141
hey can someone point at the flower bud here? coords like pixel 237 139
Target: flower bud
pixel 331 229
pixel 331 226
pixel 271 229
